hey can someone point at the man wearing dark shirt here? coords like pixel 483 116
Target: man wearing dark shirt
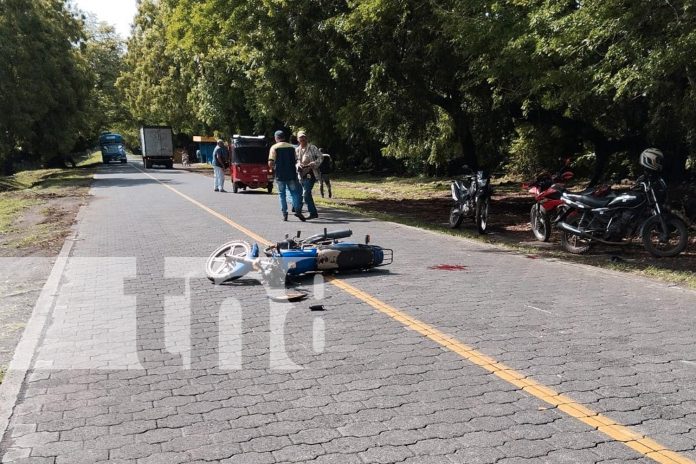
pixel 281 160
pixel 220 156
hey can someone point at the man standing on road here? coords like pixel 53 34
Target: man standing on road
pixel 308 155
pixel 220 157
pixel 281 160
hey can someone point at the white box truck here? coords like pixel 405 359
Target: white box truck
pixel 157 146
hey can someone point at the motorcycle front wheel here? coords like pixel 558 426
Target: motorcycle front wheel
pixel 482 214
pixel 456 217
pixel 573 243
pixel 541 224
pixel 665 245
pixel 223 264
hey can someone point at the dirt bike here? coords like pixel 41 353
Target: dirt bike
pixel 617 219
pixel 472 197
pixel 295 256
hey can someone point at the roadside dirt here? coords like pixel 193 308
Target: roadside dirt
pixel 30 244
pixel 41 229
pixel 509 224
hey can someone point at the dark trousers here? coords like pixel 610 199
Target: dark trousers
pixel 325 179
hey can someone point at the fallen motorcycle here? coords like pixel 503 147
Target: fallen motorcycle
pixel 295 256
pixel 472 197
pixel 617 219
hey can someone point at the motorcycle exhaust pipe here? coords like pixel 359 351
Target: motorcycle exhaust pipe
pixel 575 231
pixel 568 228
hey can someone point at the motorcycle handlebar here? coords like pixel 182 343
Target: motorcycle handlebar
pixel 329 235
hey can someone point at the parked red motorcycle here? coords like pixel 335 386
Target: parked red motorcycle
pixel 547 190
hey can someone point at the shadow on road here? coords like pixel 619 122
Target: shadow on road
pixel 128 182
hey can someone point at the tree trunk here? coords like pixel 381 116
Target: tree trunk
pixel 678 167
pixel 602 153
pixel 462 128
pixel 466 139
pixel 604 148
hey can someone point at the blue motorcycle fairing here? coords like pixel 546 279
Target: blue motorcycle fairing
pixel 351 256
pixel 296 262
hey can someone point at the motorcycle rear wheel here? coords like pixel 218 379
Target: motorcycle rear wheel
pixel 677 238
pixel 456 217
pixel 573 243
pixel 223 266
pixel 482 205
pixel 541 224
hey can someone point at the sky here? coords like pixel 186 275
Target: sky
pixel 119 13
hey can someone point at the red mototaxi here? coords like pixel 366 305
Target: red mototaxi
pixel 249 166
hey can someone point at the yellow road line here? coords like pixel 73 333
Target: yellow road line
pixel 618 432
pixel 640 443
pixel 225 219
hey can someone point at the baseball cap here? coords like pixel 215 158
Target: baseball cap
pixel 301 134
pixel 279 133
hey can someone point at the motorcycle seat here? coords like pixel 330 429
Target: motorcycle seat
pixel 589 200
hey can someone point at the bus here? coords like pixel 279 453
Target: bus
pixel 112 147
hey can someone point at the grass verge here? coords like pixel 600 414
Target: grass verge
pixel 33 204
pixel 11 207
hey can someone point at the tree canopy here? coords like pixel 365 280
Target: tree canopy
pixel 57 80
pixel 427 82
pixel 425 85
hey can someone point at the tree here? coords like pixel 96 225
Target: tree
pixel 104 51
pixel 430 84
pixel 44 80
pixel 152 83
pixel 424 81
pixel 614 74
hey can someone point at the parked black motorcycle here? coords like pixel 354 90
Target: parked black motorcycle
pixel 472 196
pixel 617 219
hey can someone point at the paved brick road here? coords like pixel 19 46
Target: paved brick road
pixel 143 360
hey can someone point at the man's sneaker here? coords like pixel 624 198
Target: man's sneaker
pixel 300 217
pixel 313 216
pixel 223 190
pixel 216 190
pixel 285 216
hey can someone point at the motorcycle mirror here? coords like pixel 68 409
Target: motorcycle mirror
pixel 367 240
pixel 287 236
pixel 298 233
pixel 325 233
